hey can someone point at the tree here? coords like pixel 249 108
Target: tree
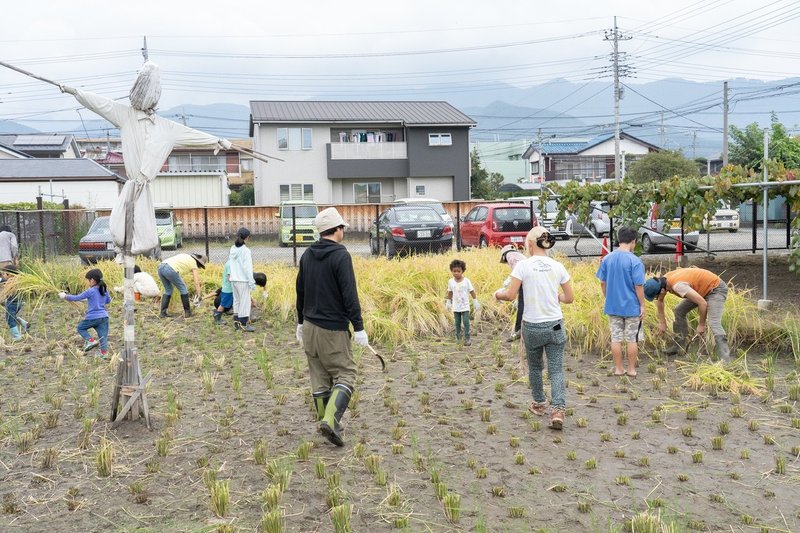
pixel 659 166
pixel 482 183
pixel 246 195
pixel 747 146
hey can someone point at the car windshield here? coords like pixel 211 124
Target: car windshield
pixel 410 216
pixel 163 219
pixel 99 225
pixel 300 211
pixel 508 214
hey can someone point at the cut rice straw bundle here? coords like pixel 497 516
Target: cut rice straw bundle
pixel 707 376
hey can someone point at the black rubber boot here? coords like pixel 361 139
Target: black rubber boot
pixel 217 317
pixel 320 402
pixel 187 306
pixel 337 405
pixel 164 305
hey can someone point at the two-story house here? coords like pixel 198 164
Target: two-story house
pixel 360 152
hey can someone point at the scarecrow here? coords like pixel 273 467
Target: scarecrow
pixel 147 141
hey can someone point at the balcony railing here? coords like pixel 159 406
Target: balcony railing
pixel 384 150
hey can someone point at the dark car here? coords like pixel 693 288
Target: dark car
pixel 97 244
pixel 497 224
pixel 410 229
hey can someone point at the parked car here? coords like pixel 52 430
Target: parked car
pixel 303 226
pixel 97 244
pixel 724 218
pixel 406 229
pixel 170 231
pixel 599 222
pixel 430 202
pixel 497 224
pixel 546 216
pixel 660 222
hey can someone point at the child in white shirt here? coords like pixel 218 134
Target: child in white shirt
pixel 459 291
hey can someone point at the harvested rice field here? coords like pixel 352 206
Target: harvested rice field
pixel 442 441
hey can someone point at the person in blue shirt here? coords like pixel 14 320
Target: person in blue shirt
pixel 621 276
pixel 96 317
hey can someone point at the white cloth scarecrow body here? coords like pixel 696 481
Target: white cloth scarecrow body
pixel 147 141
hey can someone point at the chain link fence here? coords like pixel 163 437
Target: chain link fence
pixel 55 235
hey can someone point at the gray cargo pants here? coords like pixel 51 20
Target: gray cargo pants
pixel 716 303
pixel 330 357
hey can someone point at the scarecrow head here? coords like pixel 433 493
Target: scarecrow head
pixel 146 89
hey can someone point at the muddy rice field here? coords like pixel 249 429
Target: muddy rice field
pixel 442 441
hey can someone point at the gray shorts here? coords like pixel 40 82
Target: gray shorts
pixel 625 328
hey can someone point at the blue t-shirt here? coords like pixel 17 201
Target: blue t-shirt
pixel 95 302
pixel 621 271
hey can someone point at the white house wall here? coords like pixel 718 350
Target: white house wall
pixel 625 145
pixel 89 194
pixel 438 188
pixel 190 190
pixel 300 166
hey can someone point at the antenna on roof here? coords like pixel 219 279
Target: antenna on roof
pixel 144 48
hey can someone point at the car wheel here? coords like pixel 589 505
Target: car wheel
pixel 373 248
pixel 647 244
pixel 483 243
pixel 733 230
pixel 596 231
pixel 282 244
pixel 690 247
pixel 179 244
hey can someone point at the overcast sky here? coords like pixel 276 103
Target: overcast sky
pixel 379 49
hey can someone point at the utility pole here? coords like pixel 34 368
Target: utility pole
pixel 615 36
pixel 144 48
pixel 694 144
pixel 661 131
pixel 725 123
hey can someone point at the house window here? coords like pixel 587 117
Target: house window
pixel 367 193
pixel 440 139
pixel 196 163
pixel 297 191
pixel 294 139
pixel 246 165
pixel 420 189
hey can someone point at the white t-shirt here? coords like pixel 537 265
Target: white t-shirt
pixel 460 292
pixel 541 277
pixel 144 284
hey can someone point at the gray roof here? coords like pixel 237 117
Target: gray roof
pixel 54 169
pixel 37 142
pixel 404 113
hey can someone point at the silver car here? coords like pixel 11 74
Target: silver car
pixel 599 223
pixel 98 244
pixel 664 229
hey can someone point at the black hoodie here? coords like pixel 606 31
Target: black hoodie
pixel 326 288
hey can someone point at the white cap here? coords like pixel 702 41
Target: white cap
pixel 329 218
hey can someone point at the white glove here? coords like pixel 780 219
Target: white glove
pixel 225 143
pixel 264 294
pixel 448 304
pixel 361 338
pixel 476 303
pixel 62 295
pixel 298 333
pixel 196 300
pixel 67 89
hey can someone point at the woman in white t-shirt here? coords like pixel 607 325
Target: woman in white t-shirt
pixel 540 278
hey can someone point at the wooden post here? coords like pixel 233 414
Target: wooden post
pixel 129 385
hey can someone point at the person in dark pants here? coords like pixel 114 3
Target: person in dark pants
pixel 327 303
pixel 511 255
pixel 171 270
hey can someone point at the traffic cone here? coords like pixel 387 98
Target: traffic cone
pixel 678 251
pixel 604 249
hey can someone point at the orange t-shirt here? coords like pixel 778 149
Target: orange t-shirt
pixel 701 280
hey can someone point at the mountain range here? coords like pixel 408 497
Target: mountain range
pixel 691 111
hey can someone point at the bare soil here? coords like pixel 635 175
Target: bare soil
pixel 439 410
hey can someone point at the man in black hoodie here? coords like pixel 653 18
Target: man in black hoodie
pixel 327 303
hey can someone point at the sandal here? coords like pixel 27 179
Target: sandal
pixel 538 408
